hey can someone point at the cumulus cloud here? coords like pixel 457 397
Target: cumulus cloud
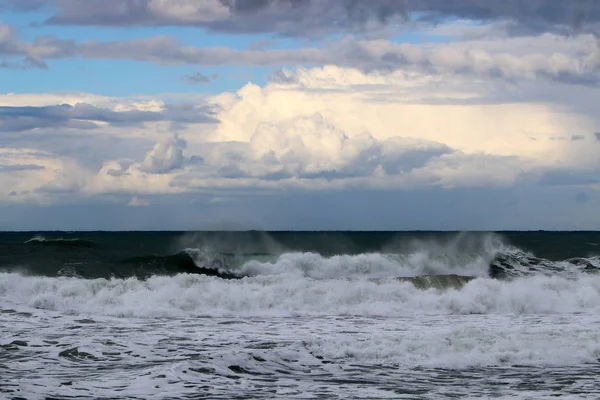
pixel 308 147
pixel 404 107
pixel 342 128
pixel 165 156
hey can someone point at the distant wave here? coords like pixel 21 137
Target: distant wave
pixel 41 240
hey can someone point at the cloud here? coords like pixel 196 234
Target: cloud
pixel 308 147
pixel 597 134
pixel 571 60
pixel 199 77
pixel 165 156
pixel 574 59
pixel 139 12
pixel 167 50
pixel 531 16
pixel 404 104
pixel 21 167
pixel 342 129
pixel 28 175
pixel 34 54
pixel 86 116
pixel 320 17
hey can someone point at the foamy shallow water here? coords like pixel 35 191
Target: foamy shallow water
pixel 82 354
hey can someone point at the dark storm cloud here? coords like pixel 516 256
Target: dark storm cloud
pixel 532 16
pixel 313 17
pixel 84 116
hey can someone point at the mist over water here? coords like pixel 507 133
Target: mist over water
pixel 307 315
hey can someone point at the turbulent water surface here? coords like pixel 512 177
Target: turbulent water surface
pixel 299 315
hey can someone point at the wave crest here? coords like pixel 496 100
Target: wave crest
pixel 60 242
pixel 187 295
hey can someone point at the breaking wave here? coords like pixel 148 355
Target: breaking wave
pixel 187 295
pixel 460 276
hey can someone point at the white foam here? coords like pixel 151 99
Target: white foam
pixel 463 254
pixel 284 295
pixel 36 238
pixel 466 343
pixel 374 265
pixel 305 357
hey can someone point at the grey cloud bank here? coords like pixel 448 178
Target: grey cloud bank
pixel 314 17
pixel 571 65
pixel 20 167
pixel 430 209
pixel 84 116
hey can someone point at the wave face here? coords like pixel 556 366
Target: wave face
pixel 285 274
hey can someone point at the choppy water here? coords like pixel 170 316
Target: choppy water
pixel 300 322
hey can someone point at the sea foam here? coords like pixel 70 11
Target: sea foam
pixel 284 295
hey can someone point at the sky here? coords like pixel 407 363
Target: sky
pixel 299 114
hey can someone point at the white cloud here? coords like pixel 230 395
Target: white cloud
pixel 487 123
pixel 28 175
pixel 165 156
pixel 328 128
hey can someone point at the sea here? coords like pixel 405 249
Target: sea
pixel 300 315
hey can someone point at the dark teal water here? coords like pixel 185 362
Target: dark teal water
pixel 143 254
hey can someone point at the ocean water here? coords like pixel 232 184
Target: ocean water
pixel 321 315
